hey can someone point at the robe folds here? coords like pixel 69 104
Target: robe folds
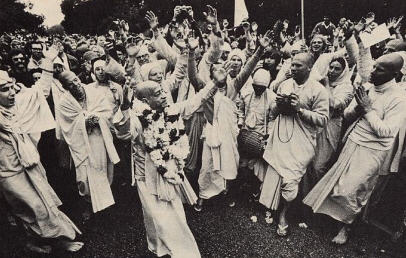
pixel 220 153
pixel 347 186
pixel 164 218
pixel 292 140
pixel 92 150
pixel 258 118
pixel 23 180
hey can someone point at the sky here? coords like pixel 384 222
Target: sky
pixel 51 10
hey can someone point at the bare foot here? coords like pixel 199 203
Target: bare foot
pixel 342 237
pixel 70 246
pixel 46 249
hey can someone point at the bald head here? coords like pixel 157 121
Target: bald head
pixel 151 93
pixel 386 68
pixel 145 89
pixel 306 58
pixel 66 78
pixel 392 61
pixel 395 45
pixel 301 66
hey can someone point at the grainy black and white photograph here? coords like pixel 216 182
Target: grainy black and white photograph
pixel 202 128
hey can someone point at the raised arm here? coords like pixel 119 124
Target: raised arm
pixel 178 75
pixel 159 43
pixel 194 78
pixel 249 67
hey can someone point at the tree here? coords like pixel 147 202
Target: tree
pixel 56 30
pixel 13 17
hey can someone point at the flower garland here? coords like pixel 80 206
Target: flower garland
pixel 165 139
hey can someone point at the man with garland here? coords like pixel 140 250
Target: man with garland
pixel 159 148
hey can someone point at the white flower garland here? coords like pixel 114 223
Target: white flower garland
pixel 165 140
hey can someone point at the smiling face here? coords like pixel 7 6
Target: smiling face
pixel 156 98
pixel 19 62
pixel 317 45
pixel 7 95
pixel 156 75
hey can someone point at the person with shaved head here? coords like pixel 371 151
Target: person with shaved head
pixel 377 112
pixel 160 194
pixel 83 115
pixel 301 110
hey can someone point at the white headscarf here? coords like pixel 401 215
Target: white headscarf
pixel 239 53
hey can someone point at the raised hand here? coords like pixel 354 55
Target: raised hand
pixel 245 25
pixel 190 12
pixel 227 67
pixel 348 29
pixel 176 11
pixel 192 43
pixel 211 15
pixel 265 41
pixel 126 97
pixel 133 49
pixel 152 20
pixel 398 24
pixel 360 26
pixel 219 77
pixel 391 23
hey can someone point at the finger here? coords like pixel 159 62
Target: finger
pixel 357 99
pixel 268 33
pixel 204 14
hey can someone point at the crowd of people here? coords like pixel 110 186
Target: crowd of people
pixel 204 103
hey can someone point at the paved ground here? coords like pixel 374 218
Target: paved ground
pixel 220 231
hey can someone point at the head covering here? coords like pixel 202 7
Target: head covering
pixel 345 76
pixel 261 77
pixel 4 78
pixel 226 47
pixel 146 69
pixel 239 53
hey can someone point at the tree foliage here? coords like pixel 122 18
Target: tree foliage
pixel 96 16
pixel 13 16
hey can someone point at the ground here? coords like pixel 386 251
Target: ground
pixel 220 231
